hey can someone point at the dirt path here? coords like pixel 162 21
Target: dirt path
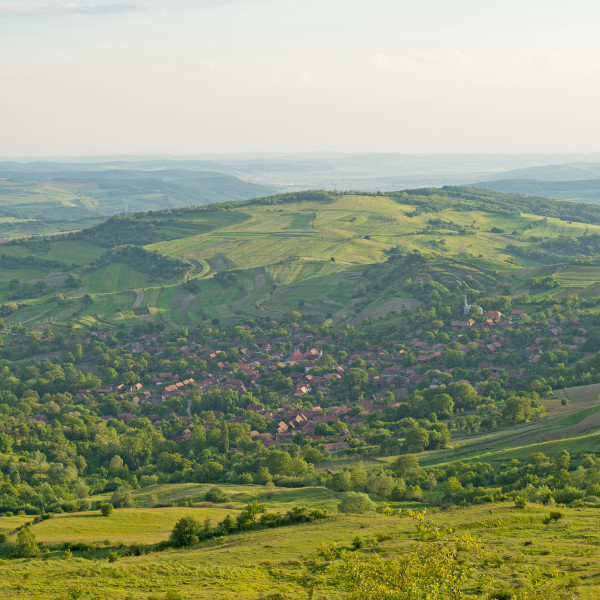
pixel 139 298
pixel 260 279
pixel 42 314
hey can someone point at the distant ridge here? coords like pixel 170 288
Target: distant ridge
pixel 587 190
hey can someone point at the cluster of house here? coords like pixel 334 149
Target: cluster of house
pixel 393 374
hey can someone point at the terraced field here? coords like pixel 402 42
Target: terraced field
pixel 309 253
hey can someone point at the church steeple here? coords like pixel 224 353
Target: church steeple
pixel 467 306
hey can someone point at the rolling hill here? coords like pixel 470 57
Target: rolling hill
pixel 587 190
pixel 38 199
pixel 343 255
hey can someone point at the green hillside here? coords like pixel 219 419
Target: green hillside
pixel 61 200
pixel 312 249
pixel 587 190
pixel 301 350
pixel 259 565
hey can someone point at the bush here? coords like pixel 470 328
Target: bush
pixel 554 515
pixel 26 543
pixel 146 480
pixel 356 502
pixel 122 496
pixel 113 557
pixel 216 494
pixel 107 509
pixel 357 543
pixel 187 532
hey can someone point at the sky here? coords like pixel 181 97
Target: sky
pixel 187 77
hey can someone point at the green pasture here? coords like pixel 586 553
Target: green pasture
pixel 261 564
pixel 115 277
pixel 125 525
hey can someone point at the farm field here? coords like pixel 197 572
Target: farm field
pixel 263 258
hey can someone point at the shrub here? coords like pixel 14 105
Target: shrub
pixel 187 532
pixel 520 502
pixel 216 494
pixel 356 503
pixel 554 515
pixel 357 543
pixel 113 557
pixel 107 509
pixel 26 543
pixel 146 480
pixel 122 496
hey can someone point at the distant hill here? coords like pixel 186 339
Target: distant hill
pixel 572 171
pixel 587 190
pixel 41 199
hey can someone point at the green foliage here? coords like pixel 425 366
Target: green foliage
pixel 187 532
pixel 107 509
pixel 439 566
pixel 356 503
pixel 151 262
pixel 216 494
pixel 26 546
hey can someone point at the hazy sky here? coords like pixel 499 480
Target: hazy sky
pixel 198 76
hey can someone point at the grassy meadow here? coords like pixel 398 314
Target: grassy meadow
pixel 283 563
pixel 263 564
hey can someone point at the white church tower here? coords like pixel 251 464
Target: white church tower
pixel 467 307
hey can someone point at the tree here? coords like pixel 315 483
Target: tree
pixel 248 516
pixel 416 439
pixel 122 496
pixel 107 509
pixel 187 532
pixel 224 442
pixel 216 494
pixel 406 466
pixel 437 567
pixel 26 543
pixel 442 405
pixel 356 503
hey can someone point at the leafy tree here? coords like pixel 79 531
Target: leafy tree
pixel 416 439
pixel 437 567
pixel 216 494
pixel 122 496
pixel 107 509
pixel 356 503
pixel 406 466
pixel 186 532
pixel 26 543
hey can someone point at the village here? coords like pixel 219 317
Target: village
pixel 323 395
